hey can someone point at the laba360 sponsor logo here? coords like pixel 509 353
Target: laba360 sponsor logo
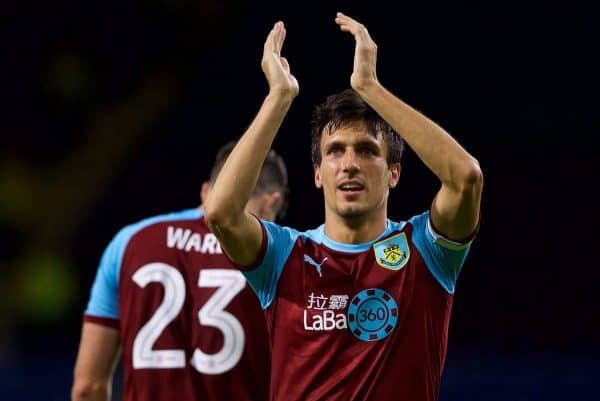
pixel 325 312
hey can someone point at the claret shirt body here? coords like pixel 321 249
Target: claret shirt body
pixel 190 326
pixel 357 322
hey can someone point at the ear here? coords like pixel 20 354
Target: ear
pixel 204 191
pixel 272 202
pixel 266 206
pixel 317 171
pixel 394 175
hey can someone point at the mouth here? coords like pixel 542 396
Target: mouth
pixel 351 188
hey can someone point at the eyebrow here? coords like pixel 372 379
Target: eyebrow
pixel 367 144
pixel 333 144
pixel 363 143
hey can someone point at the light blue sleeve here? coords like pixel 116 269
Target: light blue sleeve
pixel 444 258
pixel 104 297
pixel 264 279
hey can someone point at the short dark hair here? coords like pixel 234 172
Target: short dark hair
pixel 344 108
pixel 273 175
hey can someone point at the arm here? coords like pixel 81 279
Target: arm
pixel 455 210
pixel 239 233
pixel 96 363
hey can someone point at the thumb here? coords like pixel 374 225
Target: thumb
pixel 285 64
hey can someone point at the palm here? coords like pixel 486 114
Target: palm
pixel 276 67
pixel 365 52
pixel 365 60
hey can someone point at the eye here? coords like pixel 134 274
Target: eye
pixel 367 151
pixel 335 150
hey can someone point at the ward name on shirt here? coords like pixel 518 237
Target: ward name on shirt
pixel 190 241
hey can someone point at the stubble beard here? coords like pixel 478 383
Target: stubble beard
pixel 354 214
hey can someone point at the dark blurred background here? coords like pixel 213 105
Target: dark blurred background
pixel 113 112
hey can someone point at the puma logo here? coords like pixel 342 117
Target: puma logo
pixel 315 264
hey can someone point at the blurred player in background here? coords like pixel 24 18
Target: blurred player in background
pixel 188 325
pixel 358 309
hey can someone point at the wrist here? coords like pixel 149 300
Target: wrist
pixel 367 88
pixel 280 97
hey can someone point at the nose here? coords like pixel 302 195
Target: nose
pixel 349 161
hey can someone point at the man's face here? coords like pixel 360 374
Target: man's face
pixel 354 173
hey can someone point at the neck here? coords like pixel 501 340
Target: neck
pixel 357 229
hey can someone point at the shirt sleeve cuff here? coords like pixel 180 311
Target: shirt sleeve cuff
pixel 448 243
pixel 103 321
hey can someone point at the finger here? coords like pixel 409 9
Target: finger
pixel 269 41
pixel 348 24
pixel 343 19
pixel 278 37
pixel 282 36
pixel 345 28
pixel 347 20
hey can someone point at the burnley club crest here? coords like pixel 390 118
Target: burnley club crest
pixel 392 253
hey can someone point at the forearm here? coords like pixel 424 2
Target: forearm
pixel 443 155
pixel 235 183
pixel 96 362
pixel 87 390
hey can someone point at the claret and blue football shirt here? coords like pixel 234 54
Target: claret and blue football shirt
pixel 190 327
pixel 357 322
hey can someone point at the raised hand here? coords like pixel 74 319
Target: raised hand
pixel 275 67
pixel 365 53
